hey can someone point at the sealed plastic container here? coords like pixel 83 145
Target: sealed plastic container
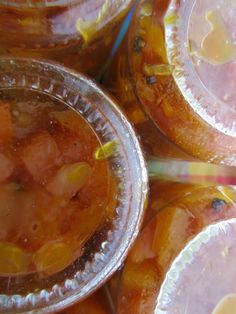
pixel 181 68
pixel 160 242
pixel 207 265
pixel 76 33
pixel 71 166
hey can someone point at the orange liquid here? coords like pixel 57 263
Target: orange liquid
pixel 71 33
pixel 55 196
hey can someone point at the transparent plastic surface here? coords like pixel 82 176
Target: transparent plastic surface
pixel 70 32
pixel 181 67
pixel 26 293
pixel 207 265
pixel 203 58
pixel 173 225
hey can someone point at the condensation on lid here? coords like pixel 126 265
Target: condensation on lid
pixel 203 276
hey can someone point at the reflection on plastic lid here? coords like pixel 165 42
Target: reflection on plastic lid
pixel 201 47
pixel 202 279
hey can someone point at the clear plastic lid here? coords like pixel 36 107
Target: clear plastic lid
pixel 202 278
pixel 27 293
pixel 201 48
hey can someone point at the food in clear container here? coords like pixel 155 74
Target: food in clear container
pixel 162 239
pixel 207 264
pixel 77 33
pixel 181 68
pixel 67 170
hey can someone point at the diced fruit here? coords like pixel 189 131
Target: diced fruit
pixel 6 128
pixel 140 276
pixel 40 155
pixel 53 257
pixel 69 179
pixel 49 160
pixel 142 248
pixel 174 226
pixel 13 260
pixel 6 168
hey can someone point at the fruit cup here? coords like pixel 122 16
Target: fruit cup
pixel 76 33
pixel 70 165
pixel 180 69
pixel 207 265
pixel 162 239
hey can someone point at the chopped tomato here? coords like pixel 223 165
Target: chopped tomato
pixel 142 248
pixel 40 156
pixel 6 127
pixel 6 168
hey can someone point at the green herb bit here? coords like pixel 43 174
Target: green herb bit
pixel 105 151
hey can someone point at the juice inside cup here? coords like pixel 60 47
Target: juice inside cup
pixel 70 32
pixel 162 239
pixel 55 194
pixel 65 186
pixel 207 264
pixel 181 67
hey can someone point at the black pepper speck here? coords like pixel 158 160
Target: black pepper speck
pixel 218 204
pixel 151 79
pixel 138 44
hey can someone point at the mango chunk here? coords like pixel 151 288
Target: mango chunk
pixel 69 179
pixel 40 154
pixel 53 257
pixel 13 260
